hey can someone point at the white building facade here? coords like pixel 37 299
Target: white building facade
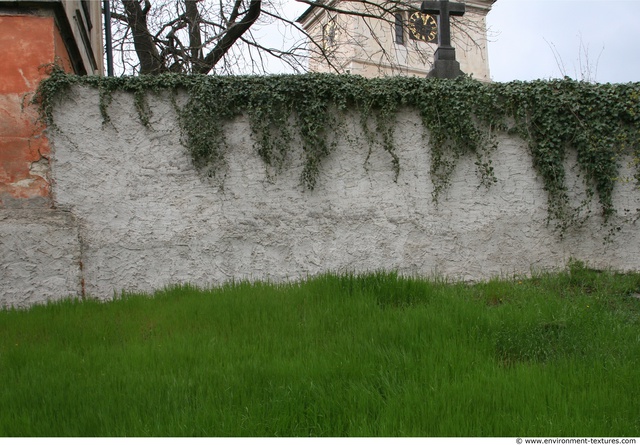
pixel 383 38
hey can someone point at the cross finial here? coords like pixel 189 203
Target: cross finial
pixel 445 64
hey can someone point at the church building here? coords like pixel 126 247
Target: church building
pixel 383 38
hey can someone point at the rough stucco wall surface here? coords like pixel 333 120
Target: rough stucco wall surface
pixel 147 218
pixel 39 257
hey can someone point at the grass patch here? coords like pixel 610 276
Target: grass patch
pixel 348 355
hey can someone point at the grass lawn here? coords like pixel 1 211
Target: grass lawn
pixel 337 355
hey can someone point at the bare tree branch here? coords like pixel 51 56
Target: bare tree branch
pixel 228 36
pixel 234 32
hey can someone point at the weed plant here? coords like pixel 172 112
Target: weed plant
pixel 336 355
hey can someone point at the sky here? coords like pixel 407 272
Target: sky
pixel 596 40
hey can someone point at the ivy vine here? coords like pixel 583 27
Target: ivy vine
pixel 461 117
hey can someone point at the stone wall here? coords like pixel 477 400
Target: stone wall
pixel 135 214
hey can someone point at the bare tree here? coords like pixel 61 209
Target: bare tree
pixel 241 36
pixel 587 68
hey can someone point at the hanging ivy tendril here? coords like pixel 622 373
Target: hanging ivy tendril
pixel 461 118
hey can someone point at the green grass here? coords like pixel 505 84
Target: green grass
pixel 349 355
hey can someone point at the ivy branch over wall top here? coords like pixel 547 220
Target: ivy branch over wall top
pixel 601 122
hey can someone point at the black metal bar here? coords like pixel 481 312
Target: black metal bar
pixel 107 36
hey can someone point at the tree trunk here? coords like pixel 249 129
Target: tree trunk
pixel 150 62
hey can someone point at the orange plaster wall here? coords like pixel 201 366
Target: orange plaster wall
pixel 27 43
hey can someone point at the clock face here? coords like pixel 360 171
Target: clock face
pixel 423 27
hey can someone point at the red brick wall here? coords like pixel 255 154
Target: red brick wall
pixel 27 44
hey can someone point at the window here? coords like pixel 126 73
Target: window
pixel 87 14
pixel 84 35
pixel 399 28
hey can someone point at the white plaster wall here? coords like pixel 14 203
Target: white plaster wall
pixel 147 218
pixel 39 257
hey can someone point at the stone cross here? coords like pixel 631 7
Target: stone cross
pixel 445 64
